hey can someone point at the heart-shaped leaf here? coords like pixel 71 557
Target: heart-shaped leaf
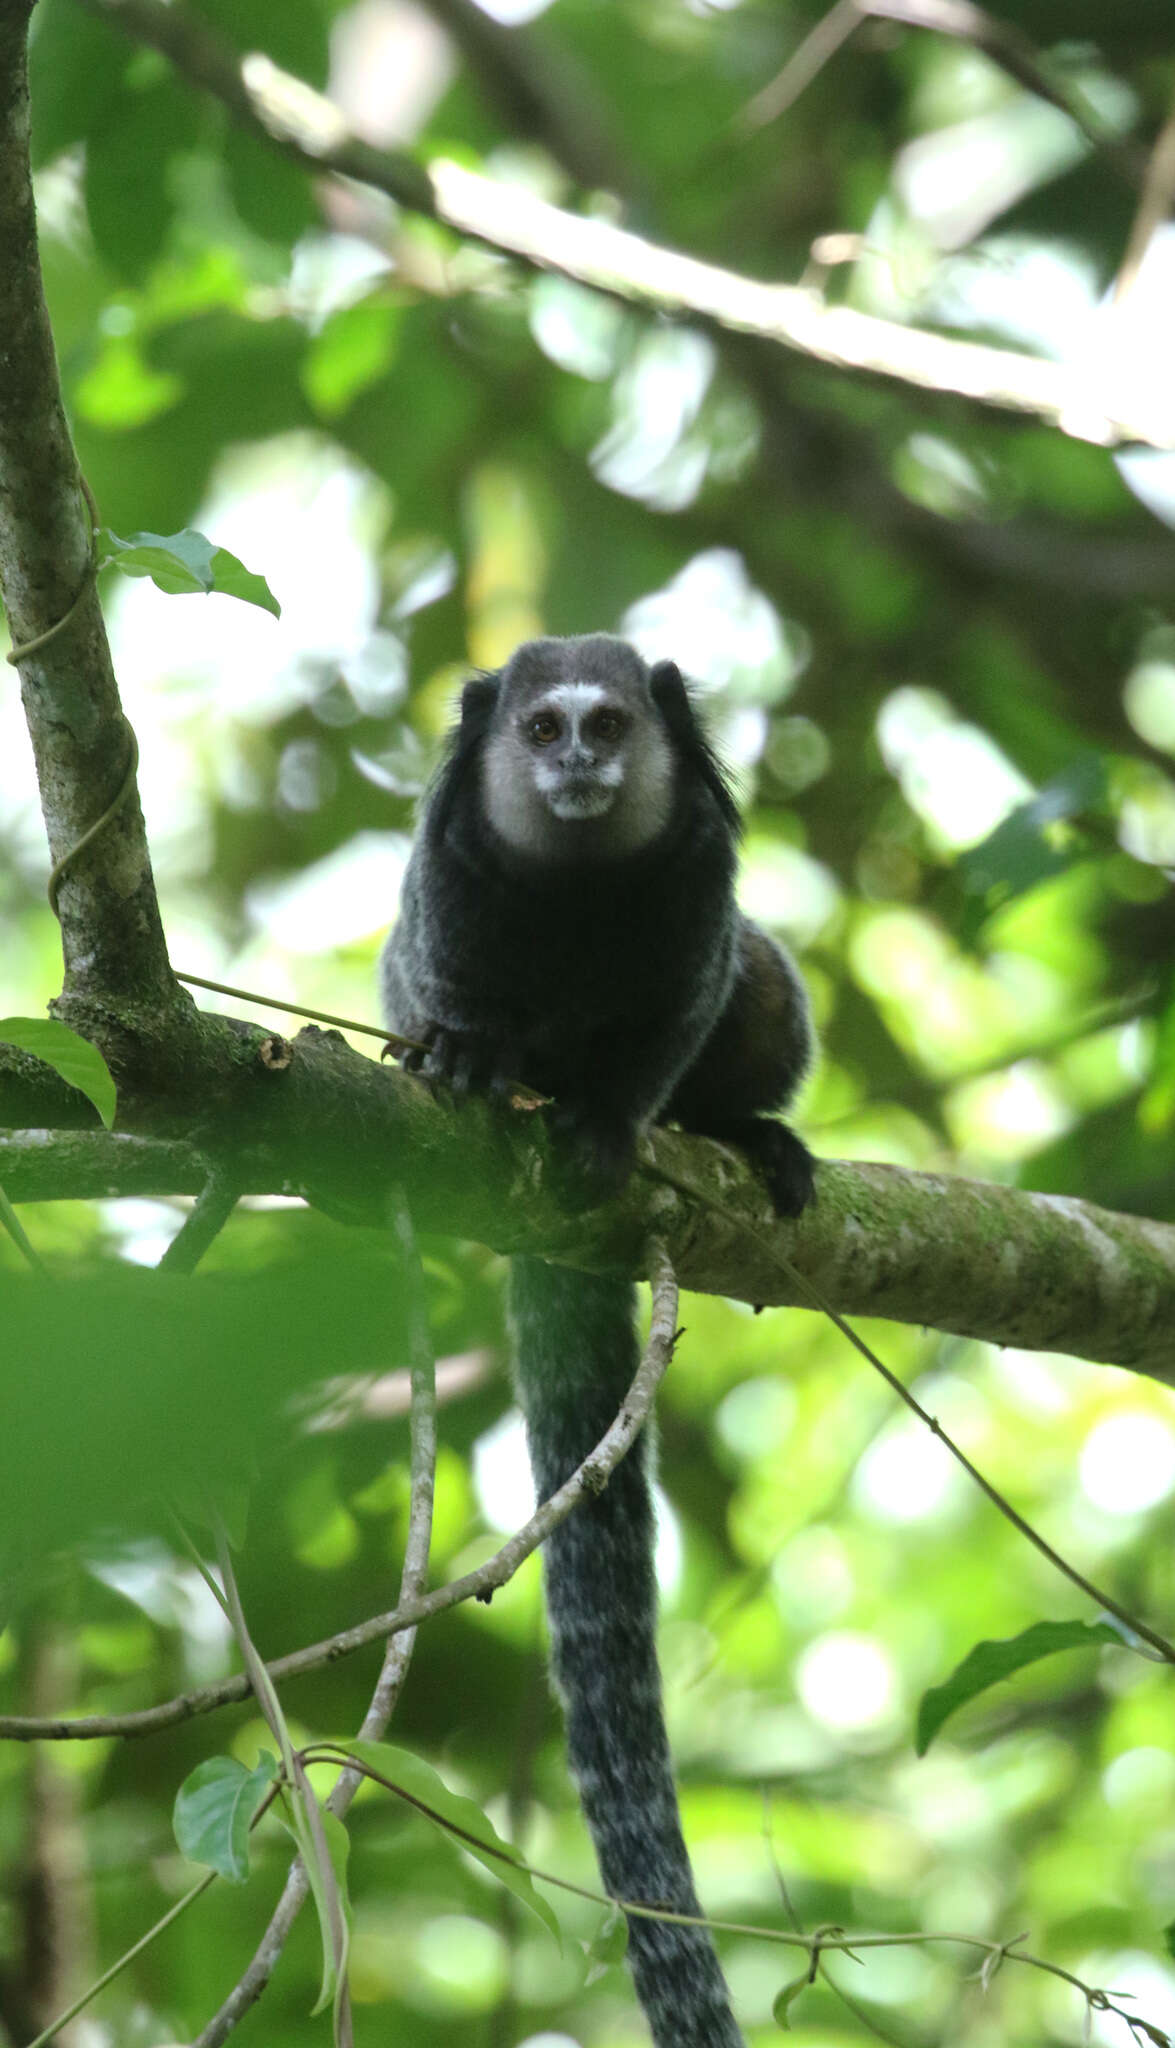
pixel 215 1808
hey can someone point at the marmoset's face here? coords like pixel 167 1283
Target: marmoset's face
pixel 577 764
pixel 578 737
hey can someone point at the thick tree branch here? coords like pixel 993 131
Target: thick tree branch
pixel 111 934
pixel 1040 1271
pixel 1087 400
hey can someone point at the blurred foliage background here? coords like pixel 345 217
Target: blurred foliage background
pixel 939 649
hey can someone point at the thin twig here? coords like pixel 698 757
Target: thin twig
pixel 203 1223
pixel 1154 207
pixel 863 2018
pixel 588 1478
pixel 19 1235
pixel 521 1096
pixel 210 1580
pixel 127 788
pixel 250 995
pixel 998 1500
pixel 804 65
pixel 422 1470
pixel 305 1815
pixel 1000 41
pixel 1008 47
pixel 815 1944
pixel 108 1976
pixel 414 1573
pixel 818 1301
pixel 657 1354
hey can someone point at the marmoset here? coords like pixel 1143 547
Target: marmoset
pixel 569 920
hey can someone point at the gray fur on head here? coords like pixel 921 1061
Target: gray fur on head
pixel 577 764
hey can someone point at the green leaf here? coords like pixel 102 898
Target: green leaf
pixel 215 1808
pixel 76 69
pixel 120 389
pixel 183 564
pixel 354 349
pixel 228 1511
pixel 70 1055
pixel 109 1358
pixel 989 1662
pixel 781 2009
pixel 608 1946
pixel 11 1222
pixel 1169 1939
pixel 131 150
pixel 1031 844
pixel 419 1784
pixel 338 1845
pixel 1156 1111
pixel 271 196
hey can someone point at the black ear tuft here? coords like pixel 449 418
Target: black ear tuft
pixel 672 700
pixel 477 703
pixel 669 694
pixel 478 699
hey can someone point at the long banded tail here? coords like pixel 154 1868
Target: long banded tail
pixel 576 1353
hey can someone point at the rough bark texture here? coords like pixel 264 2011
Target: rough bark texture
pixel 1044 1272
pixel 111 934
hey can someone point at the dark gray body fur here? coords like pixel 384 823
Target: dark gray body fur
pixel 578 932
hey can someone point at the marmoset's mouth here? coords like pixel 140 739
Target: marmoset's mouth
pixel 580 800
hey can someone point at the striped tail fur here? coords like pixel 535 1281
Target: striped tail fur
pixel 576 1353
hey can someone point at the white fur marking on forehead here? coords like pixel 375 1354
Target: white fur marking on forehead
pixel 575 699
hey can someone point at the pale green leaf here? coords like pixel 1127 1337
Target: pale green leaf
pixel 70 1055
pixel 338 1844
pixel 785 1999
pixel 418 1784
pixel 215 1808
pixel 991 1661
pixel 184 564
pixel 608 1946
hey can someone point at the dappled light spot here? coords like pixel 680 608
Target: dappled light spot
pixel 1127 1462
pixel 846 1680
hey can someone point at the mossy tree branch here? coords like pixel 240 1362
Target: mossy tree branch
pixel 1038 1271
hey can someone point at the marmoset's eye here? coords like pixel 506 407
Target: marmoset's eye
pixel 543 728
pixel 608 725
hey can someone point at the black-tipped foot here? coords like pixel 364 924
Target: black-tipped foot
pixel 784 1161
pixel 461 1062
pixel 591 1162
